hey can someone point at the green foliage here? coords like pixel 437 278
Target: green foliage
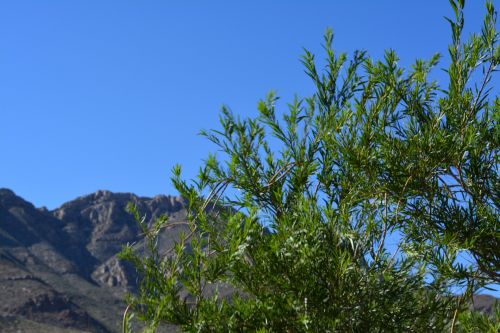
pixel 294 220
pixel 474 322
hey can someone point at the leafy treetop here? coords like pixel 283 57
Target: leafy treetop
pixel 293 222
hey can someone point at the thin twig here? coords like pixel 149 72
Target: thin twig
pixel 124 328
pixel 455 314
pixel 384 232
pixel 283 171
pixel 483 85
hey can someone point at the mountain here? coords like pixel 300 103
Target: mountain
pixel 59 271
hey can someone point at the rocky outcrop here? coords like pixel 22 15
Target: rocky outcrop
pixel 56 309
pixel 100 221
pixel 115 273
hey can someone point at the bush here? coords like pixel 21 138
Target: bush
pixel 294 219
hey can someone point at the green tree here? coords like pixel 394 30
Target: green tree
pixel 295 216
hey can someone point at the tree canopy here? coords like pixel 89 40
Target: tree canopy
pixel 298 212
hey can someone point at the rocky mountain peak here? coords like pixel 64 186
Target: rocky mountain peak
pixel 9 199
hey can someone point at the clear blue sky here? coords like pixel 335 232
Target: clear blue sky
pixel 111 94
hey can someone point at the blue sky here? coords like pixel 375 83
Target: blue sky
pixel 111 94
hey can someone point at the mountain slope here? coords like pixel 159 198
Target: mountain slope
pixel 58 269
